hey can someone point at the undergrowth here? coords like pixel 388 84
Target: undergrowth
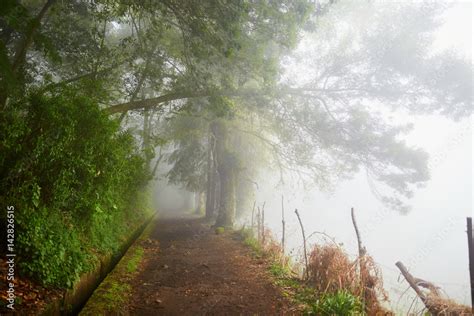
pixel 331 271
pixel 116 293
pixel 76 181
pixel 341 302
pixel 332 288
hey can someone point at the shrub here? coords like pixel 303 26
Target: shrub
pixel 340 303
pixel 74 181
pixel 55 257
pixel 219 230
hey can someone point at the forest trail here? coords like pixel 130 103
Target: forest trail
pixel 190 270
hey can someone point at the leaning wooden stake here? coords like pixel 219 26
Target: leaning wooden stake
pixel 470 246
pixel 283 227
pixel 360 250
pixel 359 240
pixel 365 288
pixel 412 282
pixel 304 245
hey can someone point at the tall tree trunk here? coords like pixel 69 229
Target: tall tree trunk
pixel 25 44
pixel 226 213
pixel 22 48
pixel 226 170
pixel 199 203
pixel 211 177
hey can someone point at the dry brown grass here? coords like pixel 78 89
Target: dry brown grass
pixel 447 307
pixel 330 269
pixel 371 286
pixel 272 248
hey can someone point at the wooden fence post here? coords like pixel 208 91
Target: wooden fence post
pixel 253 215
pixel 283 227
pixel 470 246
pixel 263 224
pixel 259 223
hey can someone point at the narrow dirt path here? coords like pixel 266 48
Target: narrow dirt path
pixel 189 270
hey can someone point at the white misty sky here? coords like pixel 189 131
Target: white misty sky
pixel 457 29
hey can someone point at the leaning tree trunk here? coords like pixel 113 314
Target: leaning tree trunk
pixel 226 170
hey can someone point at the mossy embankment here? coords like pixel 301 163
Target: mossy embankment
pixel 115 290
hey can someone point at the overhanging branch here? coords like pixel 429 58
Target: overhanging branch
pixel 172 96
pixel 143 104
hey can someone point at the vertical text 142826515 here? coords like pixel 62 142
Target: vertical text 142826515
pixel 11 256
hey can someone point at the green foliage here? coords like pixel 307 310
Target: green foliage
pixel 279 270
pixel 189 155
pixel 55 253
pixel 222 107
pixel 73 179
pixel 340 303
pixel 220 230
pixel 132 264
pixel 251 242
pixel 116 294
